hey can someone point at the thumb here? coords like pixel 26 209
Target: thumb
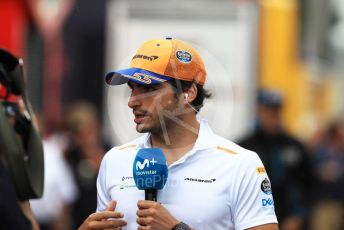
pixel 111 206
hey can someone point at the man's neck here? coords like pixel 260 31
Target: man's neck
pixel 178 139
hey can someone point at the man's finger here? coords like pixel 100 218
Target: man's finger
pixel 144 212
pixel 143 221
pixel 108 224
pixel 111 206
pixel 143 228
pixel 143 204
pixel 105 215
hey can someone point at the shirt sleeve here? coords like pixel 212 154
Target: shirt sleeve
pixel 103 198
pixel 252 199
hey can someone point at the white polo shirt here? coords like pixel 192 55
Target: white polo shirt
pixel 216 185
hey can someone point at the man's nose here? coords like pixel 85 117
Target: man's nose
pixel 134 99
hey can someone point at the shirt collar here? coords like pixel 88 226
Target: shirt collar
pixel 206 137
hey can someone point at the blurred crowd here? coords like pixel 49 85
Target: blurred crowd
pixel 307 178
pixel 72 157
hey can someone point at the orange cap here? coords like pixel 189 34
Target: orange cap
pixel 161 60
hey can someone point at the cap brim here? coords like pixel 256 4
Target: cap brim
pixel 139 76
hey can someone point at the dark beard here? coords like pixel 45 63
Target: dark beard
pixel 163 123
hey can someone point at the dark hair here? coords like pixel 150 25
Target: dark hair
pixel 180 86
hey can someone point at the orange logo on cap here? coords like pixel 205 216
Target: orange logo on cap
pixel 149 58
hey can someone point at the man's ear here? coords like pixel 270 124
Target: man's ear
pixel 191 94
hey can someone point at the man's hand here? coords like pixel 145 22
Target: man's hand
pixel 26 208
pixel 153 216
pixel 100 220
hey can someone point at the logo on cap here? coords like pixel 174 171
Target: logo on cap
pixel 183 56
pixel 149 58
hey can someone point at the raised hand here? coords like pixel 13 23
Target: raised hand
pixel 108 219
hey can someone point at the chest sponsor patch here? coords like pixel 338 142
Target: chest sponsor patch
pixel 127 182
pixel 266 186
pixel 200 180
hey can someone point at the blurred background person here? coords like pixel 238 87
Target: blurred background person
pixel 84 154
pixel 53 210
pixel 286 161
pixel 328 160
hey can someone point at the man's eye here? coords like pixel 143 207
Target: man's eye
pixel 148 88
pixel 152 88
pixel 143 88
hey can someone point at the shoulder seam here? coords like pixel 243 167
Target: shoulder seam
pixel 126 146
pixel 226 150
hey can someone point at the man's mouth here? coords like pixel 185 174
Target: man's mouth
pixel 140 116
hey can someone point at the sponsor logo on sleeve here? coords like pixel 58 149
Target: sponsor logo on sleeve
pixel 260 170
pixel 267 202
pixel 266 186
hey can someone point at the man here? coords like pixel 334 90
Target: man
pixel 285 158
pixel 212 183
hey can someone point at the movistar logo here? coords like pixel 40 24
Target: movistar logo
pixel 149 58
pixel 145 164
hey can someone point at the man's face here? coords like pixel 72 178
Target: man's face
pixel 269 118
pixel 152 106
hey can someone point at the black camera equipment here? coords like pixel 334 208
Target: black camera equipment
pixel 20 142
